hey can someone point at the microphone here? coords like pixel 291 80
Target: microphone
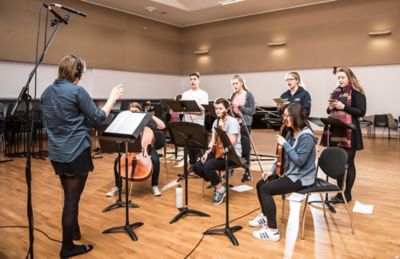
pixel 55 14
pixel 69 9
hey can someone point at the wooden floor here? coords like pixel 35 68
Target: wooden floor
pixel 376 236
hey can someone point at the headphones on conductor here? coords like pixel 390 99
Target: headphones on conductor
pixel 79 67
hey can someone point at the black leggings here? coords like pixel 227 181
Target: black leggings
pixel 351 173
pixel 246 149
pixel 274 186
pixel 73 188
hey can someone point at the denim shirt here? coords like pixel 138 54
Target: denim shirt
pixel 67 108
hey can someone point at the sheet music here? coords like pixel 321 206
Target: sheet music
pixel 363 208
pixel 119 126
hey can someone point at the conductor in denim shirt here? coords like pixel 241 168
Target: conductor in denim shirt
pixel 67 108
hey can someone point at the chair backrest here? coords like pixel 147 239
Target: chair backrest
pixel 381 120
pixel 333 161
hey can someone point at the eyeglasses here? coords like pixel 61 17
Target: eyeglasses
pixel 290 79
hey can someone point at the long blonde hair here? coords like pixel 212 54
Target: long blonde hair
pixel 352 78
pixel 241 80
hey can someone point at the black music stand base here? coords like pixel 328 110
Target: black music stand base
pixel 120 204
pixel 225 231
pixel 126 228
pixel 185 212
pixel 327 203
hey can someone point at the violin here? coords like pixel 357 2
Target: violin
pixel 140 166
pixel 218 148
pixel 280 163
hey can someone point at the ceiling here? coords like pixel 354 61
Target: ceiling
pixel 184 13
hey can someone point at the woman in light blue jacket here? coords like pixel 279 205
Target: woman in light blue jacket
pixel 299 163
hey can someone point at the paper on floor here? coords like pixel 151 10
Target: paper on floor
pixel 363 208
pixel 242 188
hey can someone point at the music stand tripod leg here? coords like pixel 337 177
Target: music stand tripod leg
pixel 119 203
pixel 128 228
pixel 185 210
pixel 227 230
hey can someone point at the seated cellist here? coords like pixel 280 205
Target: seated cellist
pixel 299 170
pixel 213 160
pixel 154 123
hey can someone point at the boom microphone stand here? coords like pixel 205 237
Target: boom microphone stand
pixel 25 97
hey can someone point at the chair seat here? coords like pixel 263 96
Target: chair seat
pixel 320 185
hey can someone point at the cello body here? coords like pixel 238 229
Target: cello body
pixel 139 164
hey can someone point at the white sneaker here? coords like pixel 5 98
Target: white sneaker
pixel 258 221
pixel 155 190
pixel 113 192
pixel 267 234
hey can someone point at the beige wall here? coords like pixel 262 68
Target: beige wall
pixel 317 37
pixel 326 35
pixel 106 38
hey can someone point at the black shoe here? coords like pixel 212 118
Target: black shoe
pixel 246 177
pixel 338 199
pixel 76 250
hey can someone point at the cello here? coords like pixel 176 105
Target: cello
pixel 142 160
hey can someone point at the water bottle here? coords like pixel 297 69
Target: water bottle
pixel 179 196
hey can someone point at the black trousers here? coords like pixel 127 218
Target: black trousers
pixel 208 170
pixel 274 186
pixel 246 149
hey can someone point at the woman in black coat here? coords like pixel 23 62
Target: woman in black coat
pixel 347 103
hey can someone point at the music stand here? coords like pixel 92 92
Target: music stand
pixel 231 158
pixel 187 134
pixel 329 123
pixel 126 128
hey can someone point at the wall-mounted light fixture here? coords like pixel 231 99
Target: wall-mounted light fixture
pixel 277 43
pixel 200 52
pixel 379 33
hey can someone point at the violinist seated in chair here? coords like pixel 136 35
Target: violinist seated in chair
pixel 154 123
pixel 213 159
pixel 296 171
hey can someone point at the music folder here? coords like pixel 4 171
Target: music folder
pixel 127 125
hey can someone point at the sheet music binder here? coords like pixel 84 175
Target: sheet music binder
pixel 127 125
pixel 183 106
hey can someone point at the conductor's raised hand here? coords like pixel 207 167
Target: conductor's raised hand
pixel 116 93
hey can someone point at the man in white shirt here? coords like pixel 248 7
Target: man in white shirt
pixel 201 97
pixel 198 95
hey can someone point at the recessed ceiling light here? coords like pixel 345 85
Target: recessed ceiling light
pixel 226 2
pixel 150 9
